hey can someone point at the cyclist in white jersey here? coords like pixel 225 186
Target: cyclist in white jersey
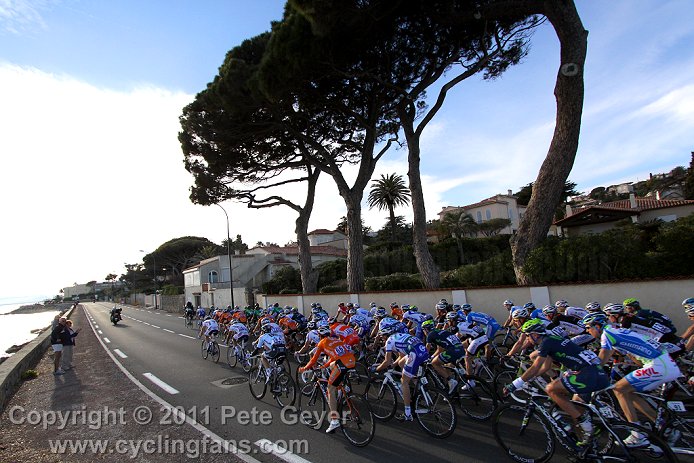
pixel 564 308
pixel 237 334
pixel 209 327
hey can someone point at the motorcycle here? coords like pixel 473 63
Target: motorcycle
pixel 116 316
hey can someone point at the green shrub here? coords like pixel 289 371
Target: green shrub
pixel 29 374
pixel 333 289
pixel 395 281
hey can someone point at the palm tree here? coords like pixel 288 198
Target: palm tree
pixel 459 223
pixel 387 193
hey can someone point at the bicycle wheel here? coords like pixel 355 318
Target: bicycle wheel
pixel 311 405
pixel 478 402
pixel 232 358
pixel 530 441
pixel 679 434
pixel 256 382
pixel 246 361
pixel 359 378
pixel 205 351
pixel 285 390
pixel 357 420
pixel 216 351
pixel 435 413
pixel 382 398
pixel 610 443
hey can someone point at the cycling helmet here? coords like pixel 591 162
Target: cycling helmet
pixel 529 306
pixel 234 321
pixel 631 302
pixel 276 304
pixel 311 325
pixel 428 316
pixel 208 318
pixel 452 316
pixel 318 304
pixel 594 318
pixel 549 310
pixel 520 312
pixel 324 330
pixel 688 303
pixel 508 302
pixel 266 328
pixel 380 312
pixel 372 305
pixel 534 325
pixel 316 310
pixel 593 307
pixel 427 325
pixel 264 321
pixel 352 311
pixel 350 305
pixel 287 310
pixel 414 308
pixel 613 309
pixel 393 305
pixel 313 305
pixel 561 303
pixel 456 307
pixel 295 310
pixel 406 307
pixel 386 330
pixel 441 306
pixel 689 311
pixel 466 308
pixel 443 301
pixel 356 305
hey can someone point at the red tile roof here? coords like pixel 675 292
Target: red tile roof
pixel 642 204
pixel 315 250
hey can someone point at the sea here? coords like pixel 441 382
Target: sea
pixel 17 327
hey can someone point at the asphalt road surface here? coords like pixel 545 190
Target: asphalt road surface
pixel 160 352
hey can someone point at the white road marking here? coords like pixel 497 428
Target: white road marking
pixel 160 383
pixel 96 326
pixel 146 323
pixel 120 353
pixel 155 326
pixel 280 452
pixel 107 340
pixel 168 314
pixel 99 331
pixel 168 330
pixel 186 336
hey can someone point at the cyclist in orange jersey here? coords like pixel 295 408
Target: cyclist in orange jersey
pixel 341 360
pixel 395 311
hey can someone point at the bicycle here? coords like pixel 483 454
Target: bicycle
pixel 211 348
pixel 281 383
pixel 432 407
pixel 528 433
pixel 478 402
pixel 357 421
pixel 237 353
pixel 188 320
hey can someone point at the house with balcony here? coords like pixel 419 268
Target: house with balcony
pixel 501 206
pixel 598 218
pixel 208 284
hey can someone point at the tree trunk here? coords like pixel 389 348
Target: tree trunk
pixel 309 276
pixel 431 278
pixel 355 249
pixel 391 211
pixel 568 92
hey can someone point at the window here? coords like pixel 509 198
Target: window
pixel 479 216
pixel 212 277
pixel 488 213
pixel 510 214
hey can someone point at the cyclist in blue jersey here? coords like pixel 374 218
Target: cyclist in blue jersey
pixel 688 335
pixel 449 350
pixel 584 373
pixel 413 319
pixel 487 322
pixel 657 368
pixel 411 354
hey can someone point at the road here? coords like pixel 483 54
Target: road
pixel 159 351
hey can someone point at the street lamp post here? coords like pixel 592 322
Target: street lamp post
pixel 154 272
pixel 231 279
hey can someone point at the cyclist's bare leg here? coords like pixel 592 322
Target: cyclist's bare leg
pixel 561 397
pixel 332 402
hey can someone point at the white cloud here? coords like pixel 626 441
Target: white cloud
pixel 21 16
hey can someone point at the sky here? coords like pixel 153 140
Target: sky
pixel 90 94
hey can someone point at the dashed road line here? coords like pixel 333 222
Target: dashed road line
pixel 186 336
pixel 107 340
pixel 155 326
pixel 160 383
pixel 120 353
pixel 99 331
pixel 168 331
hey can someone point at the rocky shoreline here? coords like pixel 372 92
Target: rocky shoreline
pixel 34 308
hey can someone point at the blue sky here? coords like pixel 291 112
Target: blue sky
pixel 91 91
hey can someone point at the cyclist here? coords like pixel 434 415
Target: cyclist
pixel 487 322
pixel 317 312
pixel 201 313
pixel 413 319
pixel 342 310
pixel 237 334
pixel 341 360
pixel 344 332
pixel 569 325
pixel 312 338
pixel 449 349
pixel 189 311
pixel 441 311
pixel 633 307
pixel 411 354
pixel 564 308
pixel 584 374
pixel 593 307
pixel 209 328
pixel 395 311
pixel 272 346
pixel 508 305
pixel 658 368
pixel 651 328
pixel 688 335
